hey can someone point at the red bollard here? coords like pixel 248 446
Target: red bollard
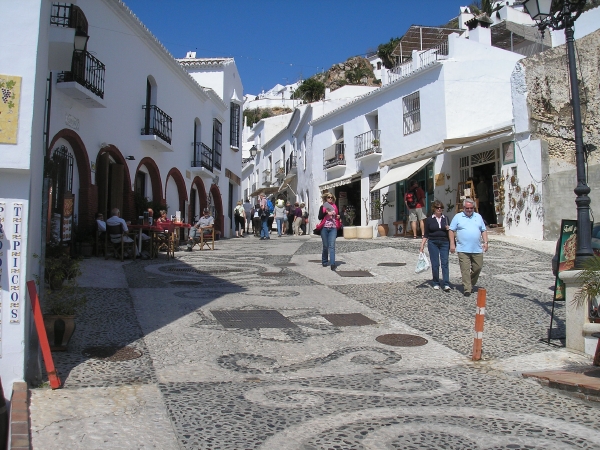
pixel 479 319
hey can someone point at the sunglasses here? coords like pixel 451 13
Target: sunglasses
pixel 439 207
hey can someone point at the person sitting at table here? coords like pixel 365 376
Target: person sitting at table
pixel 100 223
pixel 163 217
pixel 116 219
pixel 205 223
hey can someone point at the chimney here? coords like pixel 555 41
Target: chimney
pixel 479 29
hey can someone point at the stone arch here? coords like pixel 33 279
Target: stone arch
pixel 128 210
pixel 219 217
pixel 88 194
pixel 153 170
pixel 181 191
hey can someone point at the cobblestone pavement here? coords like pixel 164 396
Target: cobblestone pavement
pixel 231 349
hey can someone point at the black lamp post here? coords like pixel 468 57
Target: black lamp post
pixel 253 151
pixel 81 39
pixel 559 15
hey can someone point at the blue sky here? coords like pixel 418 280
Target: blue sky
pixel 278 41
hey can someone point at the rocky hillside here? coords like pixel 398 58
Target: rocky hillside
pixel 356 71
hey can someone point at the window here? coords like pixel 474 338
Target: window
pixel 217 142
pixel 374 196
pixel 234 130
pixel 411 105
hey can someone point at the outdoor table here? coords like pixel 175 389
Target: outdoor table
pixel 140 228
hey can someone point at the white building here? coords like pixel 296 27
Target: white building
pixel 120 123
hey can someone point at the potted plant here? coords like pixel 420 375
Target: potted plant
pixel 349 216
pixel 59 268
pixel 379 206
pixel 589 293
pixel 375 142
pixel 60 307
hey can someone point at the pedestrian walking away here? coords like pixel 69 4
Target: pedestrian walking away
pixel 280 216
pixel 290 215
pixel 255 213
pixel 248 211
pixel 297 219
pixel 264 221
pixel 468 237
pixel 414 199
pixel 329 224
pixel 239 215
pixel 438 243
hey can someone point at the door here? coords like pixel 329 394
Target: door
pixel 102 183
pixel 116 176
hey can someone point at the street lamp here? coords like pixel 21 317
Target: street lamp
pixel 559 15
pixel 81 39
pixel 253 151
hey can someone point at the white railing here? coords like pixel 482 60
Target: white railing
pixel 426 57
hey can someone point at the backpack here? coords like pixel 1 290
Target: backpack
pixel 270 206
pixel 411 199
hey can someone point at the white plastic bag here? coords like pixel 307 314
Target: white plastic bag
pixel 423 263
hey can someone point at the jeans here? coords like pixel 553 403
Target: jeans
pixel 264 229
pixel 279 225
pixel 438 251
pixel 328 236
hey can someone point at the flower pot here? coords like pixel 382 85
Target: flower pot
pixel 364 232
pixel 383 229
pixel 59 330
pixel 349 232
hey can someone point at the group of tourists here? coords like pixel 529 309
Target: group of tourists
pixel 289 219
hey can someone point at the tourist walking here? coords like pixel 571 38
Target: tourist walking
pixel 438 244
pixel 414 199
pixel 469 231
pixel 255 213
pixel 239 215
pixel 280 216
pixel 330 222
pixel 264 222
pixel 290 215
pixel 297 219
pixel 248 211
pixel 304 218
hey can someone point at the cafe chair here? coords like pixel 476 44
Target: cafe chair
pixel 120 247
pixel 165 240
pixel 207 237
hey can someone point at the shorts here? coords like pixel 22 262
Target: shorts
pixel 416 214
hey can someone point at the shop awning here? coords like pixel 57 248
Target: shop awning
pixel 286 182
pixel 264 190
pixel 341 181
pixel 468 140
pixel 417 155
pixel 398 174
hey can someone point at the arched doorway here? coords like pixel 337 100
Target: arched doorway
pixel 114 183
pixel 175 193
pixel 147 190
pixel 198 200
pixel 216 205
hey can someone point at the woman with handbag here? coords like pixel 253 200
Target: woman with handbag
pixel 328 227
pixel 239 214
pixel 438 244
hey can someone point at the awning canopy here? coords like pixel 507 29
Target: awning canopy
pixel 417 155
pixel 286 182
pixel 399 174
pixel 465 140
pixel 264 190
pixel 341 181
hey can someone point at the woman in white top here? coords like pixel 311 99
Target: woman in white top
pixel 239 214
pixel 280 216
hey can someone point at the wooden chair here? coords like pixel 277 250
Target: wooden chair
pixel 99 238
pixel 165 240
pixel 118 230
pixel 206 237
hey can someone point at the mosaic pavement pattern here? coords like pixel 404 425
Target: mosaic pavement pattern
pixel 267 400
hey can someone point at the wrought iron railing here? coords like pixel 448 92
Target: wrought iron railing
pixel 203 156
pixel 157 123
pixel 367 143
pixel 290 164
pixel 334 155
pixel 67 15
pixel 87 70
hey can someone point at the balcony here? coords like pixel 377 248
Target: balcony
pixel 366 144
pixel 334 155
pixel 203 159
pixel 290 165
pixel 267 179
pixel 253 187
pixel 424 58
pixel 85 81
pixel 280 170
pixel 158 127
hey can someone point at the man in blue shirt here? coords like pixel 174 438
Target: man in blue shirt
pixel 469 229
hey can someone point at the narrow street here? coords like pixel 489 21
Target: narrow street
pixel 250 346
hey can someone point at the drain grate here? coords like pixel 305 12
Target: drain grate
pixel 401 340
pixel 348 320
pixel 205 271
pixel 112 353
pixel 391 264
pixel 259 318
pixel 285 265
pixel 186 282
pixel 354 273
pixel 271 274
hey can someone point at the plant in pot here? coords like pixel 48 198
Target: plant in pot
pixel 375 142
pixel 59 268
pixel 590 288
pixel 60 307
pixel 379 206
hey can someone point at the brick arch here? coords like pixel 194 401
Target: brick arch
pixel 128 212
pixel 88 193
pixel 157 190
pixel 181 191
pixel 202 196
pixel 219 217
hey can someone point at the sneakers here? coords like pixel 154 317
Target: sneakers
pixel 325 264
pixel 467 293
pixel 436 287
pixel 333 267
pixel 446 288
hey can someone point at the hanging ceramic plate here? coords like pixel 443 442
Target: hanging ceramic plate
pixel 536 198
pixel 517 219
pixel 532 189
pixel 525 194
pixel 513 203
pixel 520 205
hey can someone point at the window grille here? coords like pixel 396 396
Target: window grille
pixel 411 105
pixel 217 143
pixel 234 130
pixel 63 176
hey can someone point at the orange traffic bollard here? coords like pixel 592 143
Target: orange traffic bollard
pixel 479 318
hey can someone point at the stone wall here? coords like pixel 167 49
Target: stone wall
pixel 549 105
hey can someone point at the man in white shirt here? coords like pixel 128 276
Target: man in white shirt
pixel 205 224
pixel 116 220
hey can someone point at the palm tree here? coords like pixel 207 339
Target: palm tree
pixel 385 52
pixel 311 90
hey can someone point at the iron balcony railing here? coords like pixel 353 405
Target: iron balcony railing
pixel 67 15
pixel 87 70
pixel 334 155
pixel 157 123
pixel 426 57
pixel 203 156
pixel 290 164
pixel 367 143
pixel 267 180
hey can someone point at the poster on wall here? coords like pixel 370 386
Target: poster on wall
pixel 67 217
pixel 10 88
pixel 508 152
pixel 567 248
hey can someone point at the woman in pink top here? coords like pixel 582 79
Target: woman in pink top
pixel 330 222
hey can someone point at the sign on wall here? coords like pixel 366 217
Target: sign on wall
pixel 10 91
pixel 2 213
